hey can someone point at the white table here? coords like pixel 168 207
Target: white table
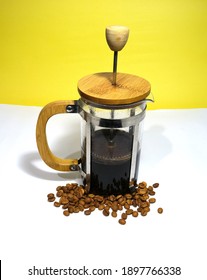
pixel 34 233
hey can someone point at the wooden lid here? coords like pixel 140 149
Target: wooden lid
pixel 99 89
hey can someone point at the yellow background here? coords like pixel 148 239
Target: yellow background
pixel 48 45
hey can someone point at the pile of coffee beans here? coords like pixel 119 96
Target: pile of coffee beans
pixel 73 198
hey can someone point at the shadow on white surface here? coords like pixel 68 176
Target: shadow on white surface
pixel 31 163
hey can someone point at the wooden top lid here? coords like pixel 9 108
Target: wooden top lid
pixel 98 88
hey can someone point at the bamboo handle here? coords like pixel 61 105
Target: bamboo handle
pixel 51 109
pixel 117 36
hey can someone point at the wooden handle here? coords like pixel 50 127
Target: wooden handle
pixel 49 158
pixel 117 36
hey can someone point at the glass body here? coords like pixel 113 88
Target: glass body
pixel 110 146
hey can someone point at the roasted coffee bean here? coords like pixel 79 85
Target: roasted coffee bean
pixel 142 185
pixel 128 196
pixel 101 207
pixel 144 204
pixel 66 213
pixel 151 192
pixel 57 204
pixel 135 214
pixel 99 198
pixel 114 206
pixel 143 213
pixel 87 212
pixel 152 200
pixel 76 210
pixel 121 199
pixel 129 211
pixel 81 202
pixel 74 199
pixel 51 199
pixel 124 216
pixel 59 193
pixel 64 200
pixel 142 191
pixel 160 210
pixel 81 208
pixel 50 195
pixel 92 208
pixel 122 221
pixel 114 214
pixel 120 207
pixel 96 204
pixel 105 212
pixel 150 188
pixel 126 206
pixel 146 209
pixel 65 206
pixel 107 207
pixel 144 197
pixel 71 209
pixel 88 200
pixel 58 188
pixel 111 198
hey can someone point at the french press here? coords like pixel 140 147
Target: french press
pixel 112 107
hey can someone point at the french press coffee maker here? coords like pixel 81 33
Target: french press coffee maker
pixel 112 107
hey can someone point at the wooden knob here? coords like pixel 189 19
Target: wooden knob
pixel 117 36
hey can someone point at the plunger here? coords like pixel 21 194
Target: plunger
pixel 116 37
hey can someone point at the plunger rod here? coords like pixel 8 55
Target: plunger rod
pixel 115 67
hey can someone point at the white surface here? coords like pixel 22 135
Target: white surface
pixel 34 233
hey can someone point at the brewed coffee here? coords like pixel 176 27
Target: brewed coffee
pixel 110 161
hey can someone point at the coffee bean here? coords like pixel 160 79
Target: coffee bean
pixel 142 185
pixel 76 210
pixel 88 200
pixel 87 212
pixel 135 214
pixel 114 206
pixel 120 207
pixel 122 221
pixel 57 204
pixel 150 188
pixel 129 211
pixel 66 213
pixel 74 199
pixel 144 213
pixel 50 195
pixel 51 199
pixel 114 214
pixel 128 196
pixel 152 200
pixel 144 204
pixel 160 210
pixel 142 191
pixel 126 206
pixel 92 208
pixel 64 200
pixel 105 212
pixel 124 216
pixel 101 207
pixel 151 192
pixel 59 193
